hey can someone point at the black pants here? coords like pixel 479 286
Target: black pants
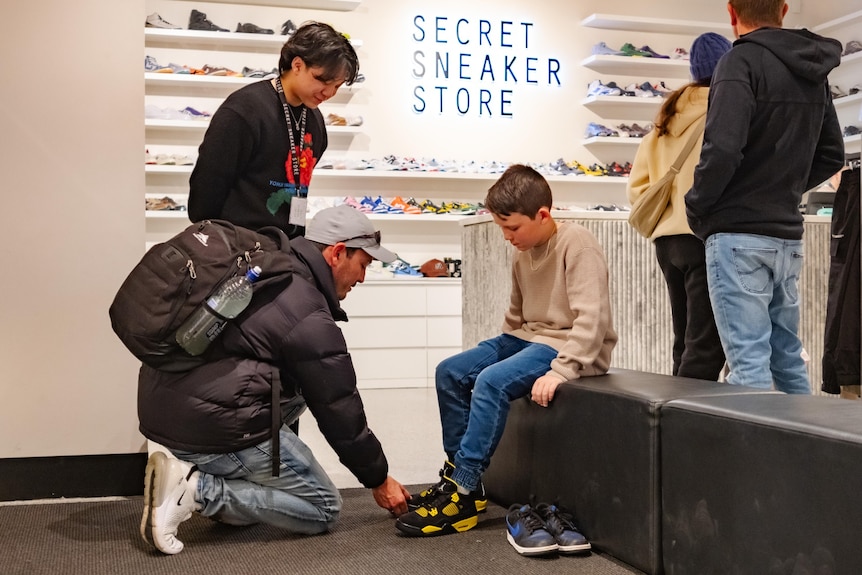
pixel 696 347
pixel 841 345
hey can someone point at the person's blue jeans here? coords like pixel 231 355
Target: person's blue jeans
pixel 239 489
pixel 753 289
pixel 474 389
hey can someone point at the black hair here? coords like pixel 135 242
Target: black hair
pixel 320 45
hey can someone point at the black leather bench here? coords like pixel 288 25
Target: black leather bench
pixel 596 450
pixel 759 485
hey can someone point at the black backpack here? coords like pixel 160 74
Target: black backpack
pixel 175 276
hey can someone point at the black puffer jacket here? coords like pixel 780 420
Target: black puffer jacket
pixel 288 336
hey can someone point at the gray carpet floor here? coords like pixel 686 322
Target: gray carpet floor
pixel 101 537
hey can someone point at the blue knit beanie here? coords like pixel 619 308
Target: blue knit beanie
pixel 706 50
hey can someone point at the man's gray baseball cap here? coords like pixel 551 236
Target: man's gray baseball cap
pixel 350 226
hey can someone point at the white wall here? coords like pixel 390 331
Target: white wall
pixel 72 183
pixel 71 224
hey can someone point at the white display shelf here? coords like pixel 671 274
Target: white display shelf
pixel 623 107
pixel 847 101
pixel 167 214
pixel 612 142
pixel 637 66
pixel 202 125
pixel 335 5
pixel 848 20
pixel 177 125
pixel 229 41
pixel 851 59
pixel 196 81
pixel 324 173
pixel 658 25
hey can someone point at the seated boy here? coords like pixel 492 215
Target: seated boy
pixel 558 328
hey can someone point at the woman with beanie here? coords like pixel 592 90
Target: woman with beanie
pixel 697 349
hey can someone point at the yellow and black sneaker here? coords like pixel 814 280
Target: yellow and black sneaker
pixel 449 513
pixel 445 486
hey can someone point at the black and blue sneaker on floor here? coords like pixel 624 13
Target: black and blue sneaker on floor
pixel 526 532
pixel 560 524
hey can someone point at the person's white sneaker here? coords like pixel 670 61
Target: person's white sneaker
pixel 169 499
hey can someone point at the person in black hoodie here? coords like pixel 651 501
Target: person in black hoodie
pixel 228 421
pixel 771 134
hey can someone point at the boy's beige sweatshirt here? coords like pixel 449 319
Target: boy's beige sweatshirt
pixel 560 297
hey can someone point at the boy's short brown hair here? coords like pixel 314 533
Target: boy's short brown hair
pixel 520 189
pixel 759 12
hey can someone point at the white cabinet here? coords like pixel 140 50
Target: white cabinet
pixel 400 329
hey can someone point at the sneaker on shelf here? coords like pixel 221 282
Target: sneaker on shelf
pixel 640 92
pixel 602 49
pixel 647 87
pixel 662 89
pixel 398 202
pixel 169 499
pixel 526 532
pixel 836 91
pixel 288 28
pixel 851 131
pixel 852 47
pixel 600 130
pixel 165 204
pixel 156 21
pixel 449 513
pixel 629 50
pixel 855 89
pixel 652 53
pixel 335 120
pixel 193 114
pixel 401 268
pixel 165 160
pixel 596 88
pixel 680 54
pixel 249 28
pixel 354 121
pixel 623 92
pixel 219 71
pixel 560 524
pixel 152 65
pixel 198 21
pixel 642 130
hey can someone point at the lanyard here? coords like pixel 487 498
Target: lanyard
pixel 294 150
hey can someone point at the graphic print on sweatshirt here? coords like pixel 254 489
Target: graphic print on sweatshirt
pixel 307 161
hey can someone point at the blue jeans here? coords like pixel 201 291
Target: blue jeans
pixel 238 488
pixel 474 389
pixel 753 288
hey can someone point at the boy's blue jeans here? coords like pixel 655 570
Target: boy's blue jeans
pixel 474 389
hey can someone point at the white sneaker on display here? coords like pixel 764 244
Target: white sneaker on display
pixel 156 21
pixel 169 499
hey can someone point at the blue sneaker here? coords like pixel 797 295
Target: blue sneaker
pixel 526 532
pixel 401 268
pixel 559 524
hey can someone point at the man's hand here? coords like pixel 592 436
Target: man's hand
pixel 544 388
pixel 392 496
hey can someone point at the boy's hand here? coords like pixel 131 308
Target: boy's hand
pixel 544 388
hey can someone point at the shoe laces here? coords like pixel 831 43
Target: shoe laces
pixel 530 519
pixel 557 519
